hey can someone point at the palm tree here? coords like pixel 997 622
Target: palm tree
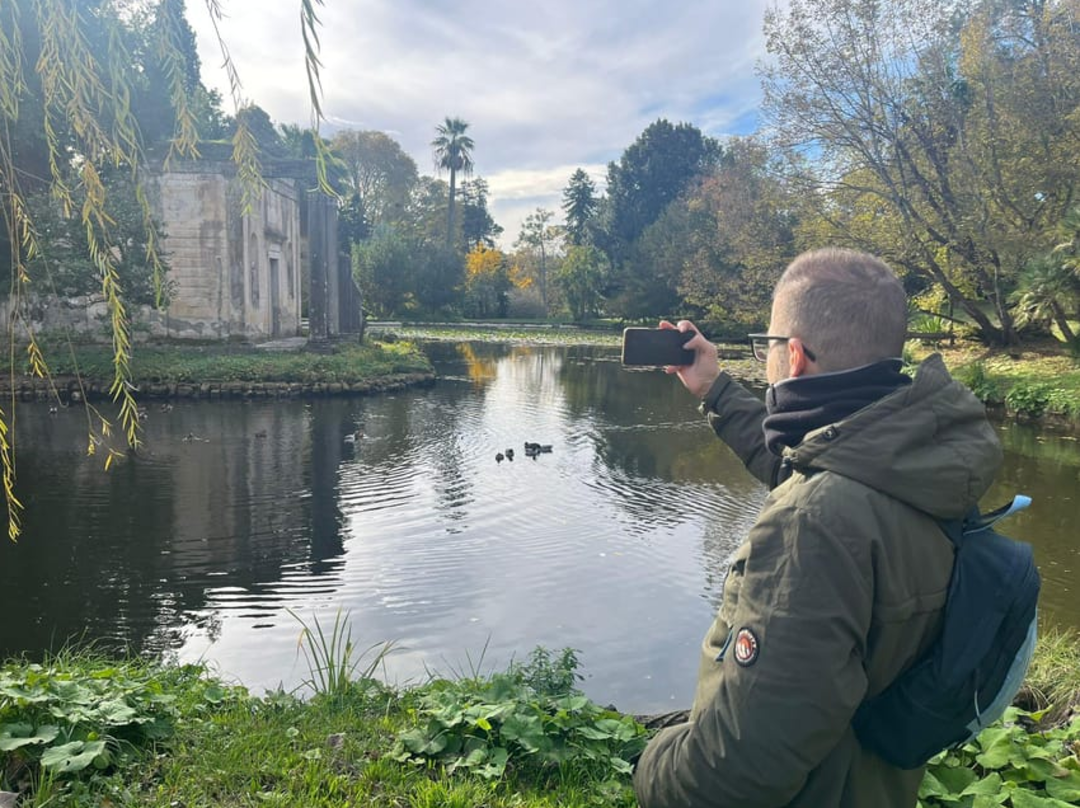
pixel 1045 287
pixel 453 151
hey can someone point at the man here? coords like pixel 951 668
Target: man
pixel 840 584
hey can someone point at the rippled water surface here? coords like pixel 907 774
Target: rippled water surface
pixel 613 543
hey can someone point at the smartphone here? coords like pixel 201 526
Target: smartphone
pixel 656 347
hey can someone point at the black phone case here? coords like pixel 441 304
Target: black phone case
pixel 656 347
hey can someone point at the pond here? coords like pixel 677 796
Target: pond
pixel 239 515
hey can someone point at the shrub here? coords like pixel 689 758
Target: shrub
pixel 975 377
pixel 1028 399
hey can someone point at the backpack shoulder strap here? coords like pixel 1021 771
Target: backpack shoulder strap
pixel 988 520
pixel 976 522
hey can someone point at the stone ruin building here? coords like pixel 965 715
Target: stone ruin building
pixel 236 274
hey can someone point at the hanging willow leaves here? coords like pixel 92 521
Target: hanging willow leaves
pixel 74 96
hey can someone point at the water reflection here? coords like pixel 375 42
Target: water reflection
pixel 615 543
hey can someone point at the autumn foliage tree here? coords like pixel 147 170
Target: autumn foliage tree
pixel 487 282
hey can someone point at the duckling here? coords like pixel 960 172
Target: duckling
pixel 499 457
pixel 509 454
pixel 261 433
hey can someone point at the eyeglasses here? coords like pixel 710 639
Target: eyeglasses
pixel 761 343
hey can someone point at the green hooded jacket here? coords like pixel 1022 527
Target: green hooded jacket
pixel 838 589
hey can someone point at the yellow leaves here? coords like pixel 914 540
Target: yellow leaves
pixel 14 506
pixel 483 263
pixel 38 367
pixel 248 167
pixel 520 277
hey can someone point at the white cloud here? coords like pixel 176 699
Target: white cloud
pixel 546 87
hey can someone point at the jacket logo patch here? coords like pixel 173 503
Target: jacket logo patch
pixel 746 647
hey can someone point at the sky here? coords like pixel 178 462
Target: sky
pixel 547 87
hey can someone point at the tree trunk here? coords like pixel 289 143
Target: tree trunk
pixel 1063 323
pixel 992 333
pixel 543 277
pixel 450 211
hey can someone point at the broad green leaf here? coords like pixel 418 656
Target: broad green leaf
pixel 592 733
pixel 1040 769
pixel 1021 798
pixel 1065 788
pixel 14 736
pixel 956 780
pixel 931 786
pixel 117 713
pixel 998 752
pixel 986 787
pixel 72 757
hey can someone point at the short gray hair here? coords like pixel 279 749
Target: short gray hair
pixel 847 306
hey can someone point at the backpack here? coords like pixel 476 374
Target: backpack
pixel 973 670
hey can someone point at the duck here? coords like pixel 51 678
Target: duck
pixel 498 457
pixel 509 454
pixel 166 407
pixel 53 409
pixel 351 439
pixel 261 433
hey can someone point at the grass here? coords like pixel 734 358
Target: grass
pixel 179 363
pixel 1036 380
pixel 367 744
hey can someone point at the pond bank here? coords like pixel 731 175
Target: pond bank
pixel 82 730
pixel 1037 383
pixel 216 371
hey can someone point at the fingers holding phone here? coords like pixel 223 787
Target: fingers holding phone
pixel 698 376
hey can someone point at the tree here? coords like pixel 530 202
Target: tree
pixel 957 122
pixel 1049 288
pixel 487 281
pixel 649 176
pixel 1046 288
pixel 742 234
pixel 383 267
pixel 453 152
pixel 579 205
pixel 377 169
pixel 477 224
pixel 539 236
pixel 580 276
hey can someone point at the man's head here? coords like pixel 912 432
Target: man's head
pixel 845 308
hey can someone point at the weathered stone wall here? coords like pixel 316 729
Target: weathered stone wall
pixel 232 274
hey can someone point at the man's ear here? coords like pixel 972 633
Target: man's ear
pixel 798 362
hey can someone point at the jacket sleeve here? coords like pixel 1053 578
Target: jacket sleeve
pixel 759 729
pixel 735 415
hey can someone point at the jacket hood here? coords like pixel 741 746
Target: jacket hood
pixel 927 444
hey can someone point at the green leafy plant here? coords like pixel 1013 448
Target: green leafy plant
pixel 530 716
pixel 1028 399
pixel 75 712
pixel 979 382
pixel 334 661
pixel 1008 765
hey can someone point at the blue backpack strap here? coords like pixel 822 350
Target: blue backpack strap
pixel 976 522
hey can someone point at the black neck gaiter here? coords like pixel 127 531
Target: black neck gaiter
pixel 805 403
